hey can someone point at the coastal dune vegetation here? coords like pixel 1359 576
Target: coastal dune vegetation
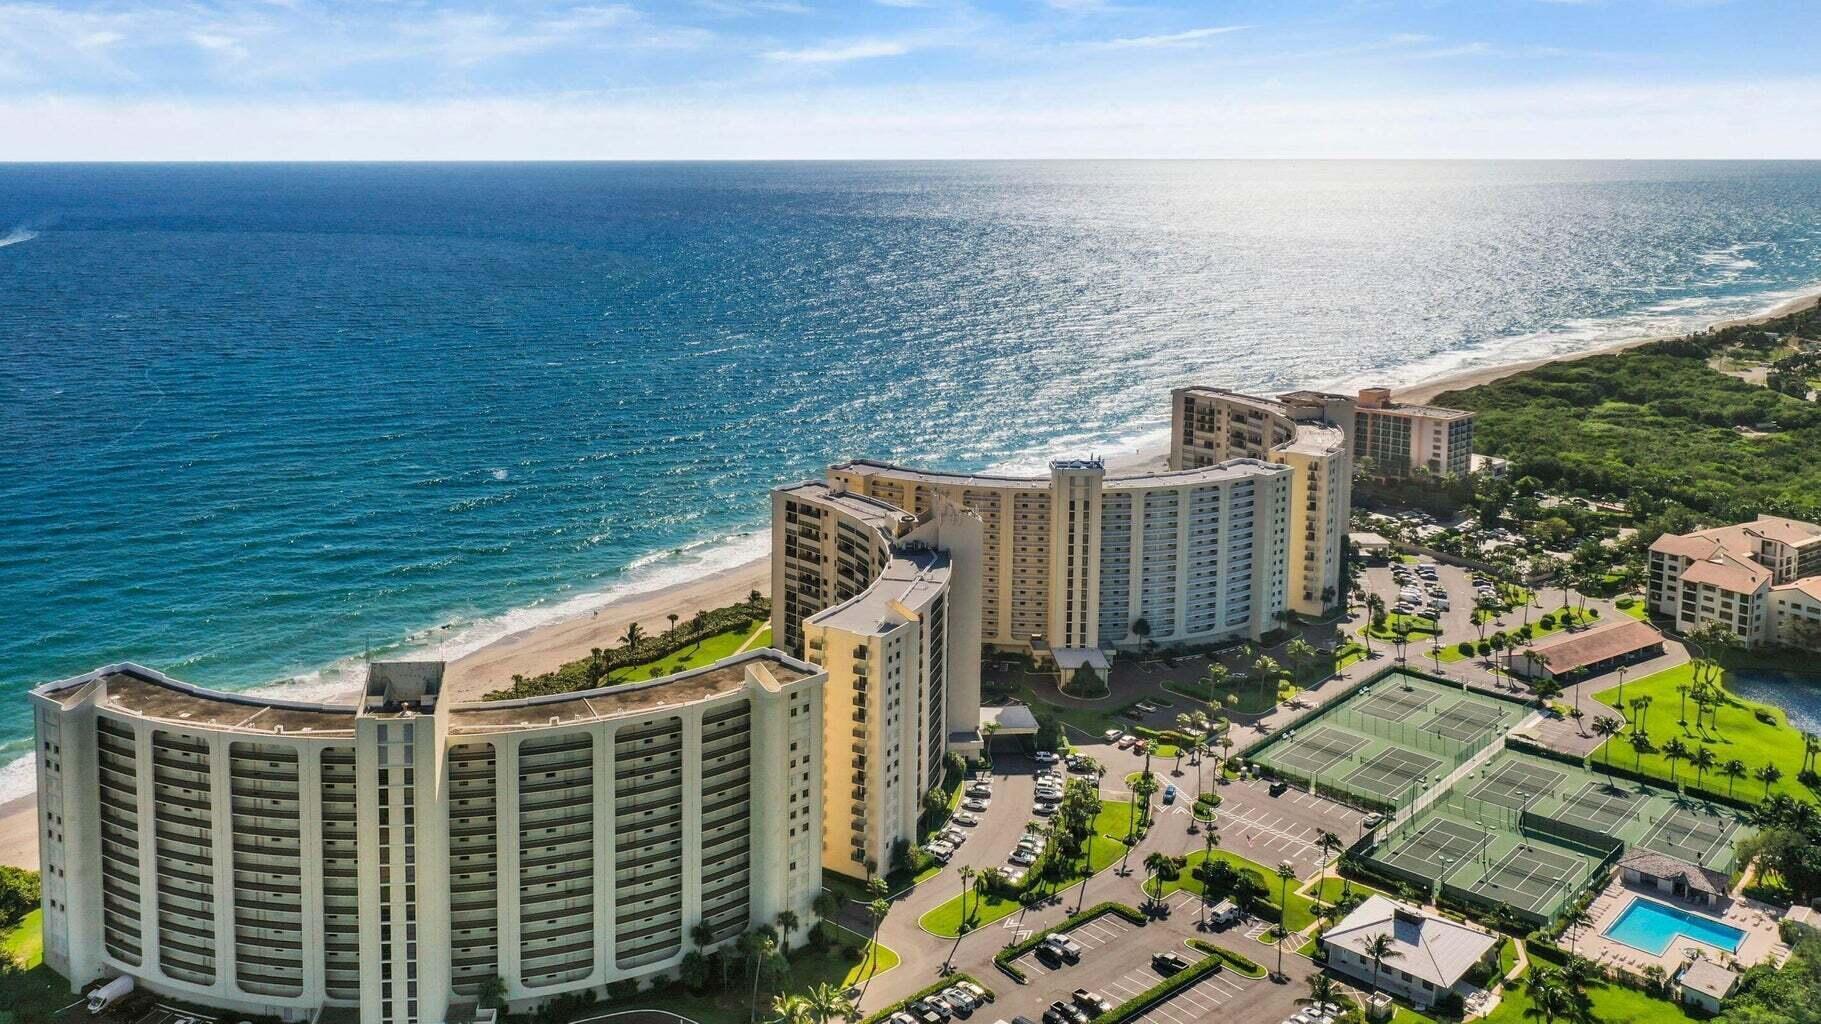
pixel 706 637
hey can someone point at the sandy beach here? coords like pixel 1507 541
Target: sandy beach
pixel 547 647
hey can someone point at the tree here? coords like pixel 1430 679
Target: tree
pixel 1155 863
pixel 1328 843
pixel 877 910
pixel 827 1002
pixel 1210 839
pixel 1573 921
pixel 1769 775
pixel 790 1008
pixel 763 949
pixel 698 624
pixel 1606 727
pixel 967 876
pixel 1286 873
pixel 493 991
pixel 1640 745
pixel 1301 655
pixel 692 971
pixel 1703 761
pixel 1673 752
pixel 1811 744
pixel 633 635
pixel 1549 999
pixel 1322 990
pixel 1640 710
pixel 787 922
pixel 1378 949
pixel 673 617
pixel 1141 628
pixel 987 732
pixel 1733 770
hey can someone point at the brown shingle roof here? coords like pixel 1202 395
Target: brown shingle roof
pixel 1569 652
pixel 1661 865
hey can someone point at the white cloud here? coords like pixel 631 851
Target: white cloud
pixel 865 49
pixel 1587 119
pixel 1185 38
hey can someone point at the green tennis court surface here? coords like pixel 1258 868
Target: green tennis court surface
pixel 1531 878
pixel 1599 806
pixel 1392 772
pixel 1438 847
pixel 1394 704
pixel 1689 834
pixel 1466 720
pixel 1516 784
pixel 1317 750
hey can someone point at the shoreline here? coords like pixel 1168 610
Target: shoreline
pixel 545 647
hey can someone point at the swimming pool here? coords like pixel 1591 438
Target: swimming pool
pixel 1652 926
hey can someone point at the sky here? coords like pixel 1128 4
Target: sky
pixel 838 79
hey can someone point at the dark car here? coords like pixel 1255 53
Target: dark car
pixel 1050 955
pixel 1169 963
pixel 1069 1014
pixel 1069 948
pixel 1054 1015
pixel 1278 786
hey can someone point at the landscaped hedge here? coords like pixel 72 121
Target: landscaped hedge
pixel 589 673
pixel 1157 993
pixel 1005 957
pixel 1241 963
pixel 928 990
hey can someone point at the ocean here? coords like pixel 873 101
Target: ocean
pixel 256 420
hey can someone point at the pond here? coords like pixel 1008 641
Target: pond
pixel 1798 695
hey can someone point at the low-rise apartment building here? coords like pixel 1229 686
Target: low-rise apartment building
pixel 1393 439
pixel 1761 580
pixel 397 855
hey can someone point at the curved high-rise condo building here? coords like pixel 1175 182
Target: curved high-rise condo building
pixel 398 855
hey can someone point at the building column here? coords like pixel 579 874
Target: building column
pixel 505 800
pixel 606 923
pixel 691 721
pixel 309 848
pixel 150 961
pixel 221 829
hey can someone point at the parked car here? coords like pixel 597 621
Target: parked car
pixel 1022 857
pixel 980 995
pixel 1111 735
pixel 1070 1013
pixel 1169 794
pixel 1071 950
pixel 939 1008
pixel 973 804
pixel 965 818
pixel 1049 955
pixel 1046 757
pixel 1092 1002
pixel 1168 963
pixel 1278 786
pixel 1125 741
pixel 1053 1015
pixel 1043 808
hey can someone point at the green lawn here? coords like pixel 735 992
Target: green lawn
pixel 24 941
pixel 1733 731
pixel 945 920
pixel 761 641
pixel 1332 886
pixel 845 964
pixel 1637 609
pixel 1417 625
pixel 1451 651
pixel 710 650
pixel 1299 915
pixel 1114 820
pixel 38 991
pixel 1610 1004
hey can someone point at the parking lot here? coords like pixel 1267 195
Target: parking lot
pixel 1199 1002
pixel 1457 584
pixel 1102 931
pixel 1271 829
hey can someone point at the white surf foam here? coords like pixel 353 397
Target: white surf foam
pixel 18 235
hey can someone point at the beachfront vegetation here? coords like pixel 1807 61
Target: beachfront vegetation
pixel 1657 425
pixel 1757 736
pixel 705 637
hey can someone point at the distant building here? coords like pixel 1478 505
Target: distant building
pixel 1490 466
pixel 1435 954
pixel 1400 439
pixel 1567 656
pixel 387 860
pixel 1705 984
pixel 1761 579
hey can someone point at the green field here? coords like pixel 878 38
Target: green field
pixel 36 992
pixel 1732 732
pixel 945 920
pixel 1609 1004
pixel 24 942
pixel 1451 652
pixel 710 650
pixel 1114 820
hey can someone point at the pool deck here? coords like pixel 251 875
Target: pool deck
pixel 1757 920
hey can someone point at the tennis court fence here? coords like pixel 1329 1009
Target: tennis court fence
pixel 1567 833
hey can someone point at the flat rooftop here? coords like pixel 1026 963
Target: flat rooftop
pixel 1220 471
pixel 912 578
pixel 882 513
pixel 586 706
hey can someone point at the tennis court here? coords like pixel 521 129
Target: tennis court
pixel 1530 878
pixel 1317 750
pixel 1438 847
pixel 1599 807
pixel 1392 772
pixel 1516 784
pixel 1394 704
pixel 1466 720
pixel 1690 835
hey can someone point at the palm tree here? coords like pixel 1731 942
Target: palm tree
pixel 967 876
pixel 1640 710
pixel 1378 949
pixel 1640 744
pixel 827 1002
pixel 1734 770
pixel 1210 839
pixel 1286 873
pixel 1575 919
pixel 698 624
pixel 877 910
pixel 788 922
pixel 1155 862
pixel 1322 989
pixel 791 1008
pixel 1301 656
pixel 1549 999
pixel 1327 843
pixel 987 732
pixel 1621 703
pixel 1703 762
pixel 673 617
pixel 1606 727
pixel 1769 775
pixel 1673 752
pixel 632 637
pixel 1811 745
pixel 763 948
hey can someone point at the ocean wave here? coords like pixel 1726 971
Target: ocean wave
pixel 18 235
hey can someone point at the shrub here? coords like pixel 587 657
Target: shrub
pixel 1465 647
pixel 1005 958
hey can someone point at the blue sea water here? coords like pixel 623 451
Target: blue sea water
pixel 255 419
